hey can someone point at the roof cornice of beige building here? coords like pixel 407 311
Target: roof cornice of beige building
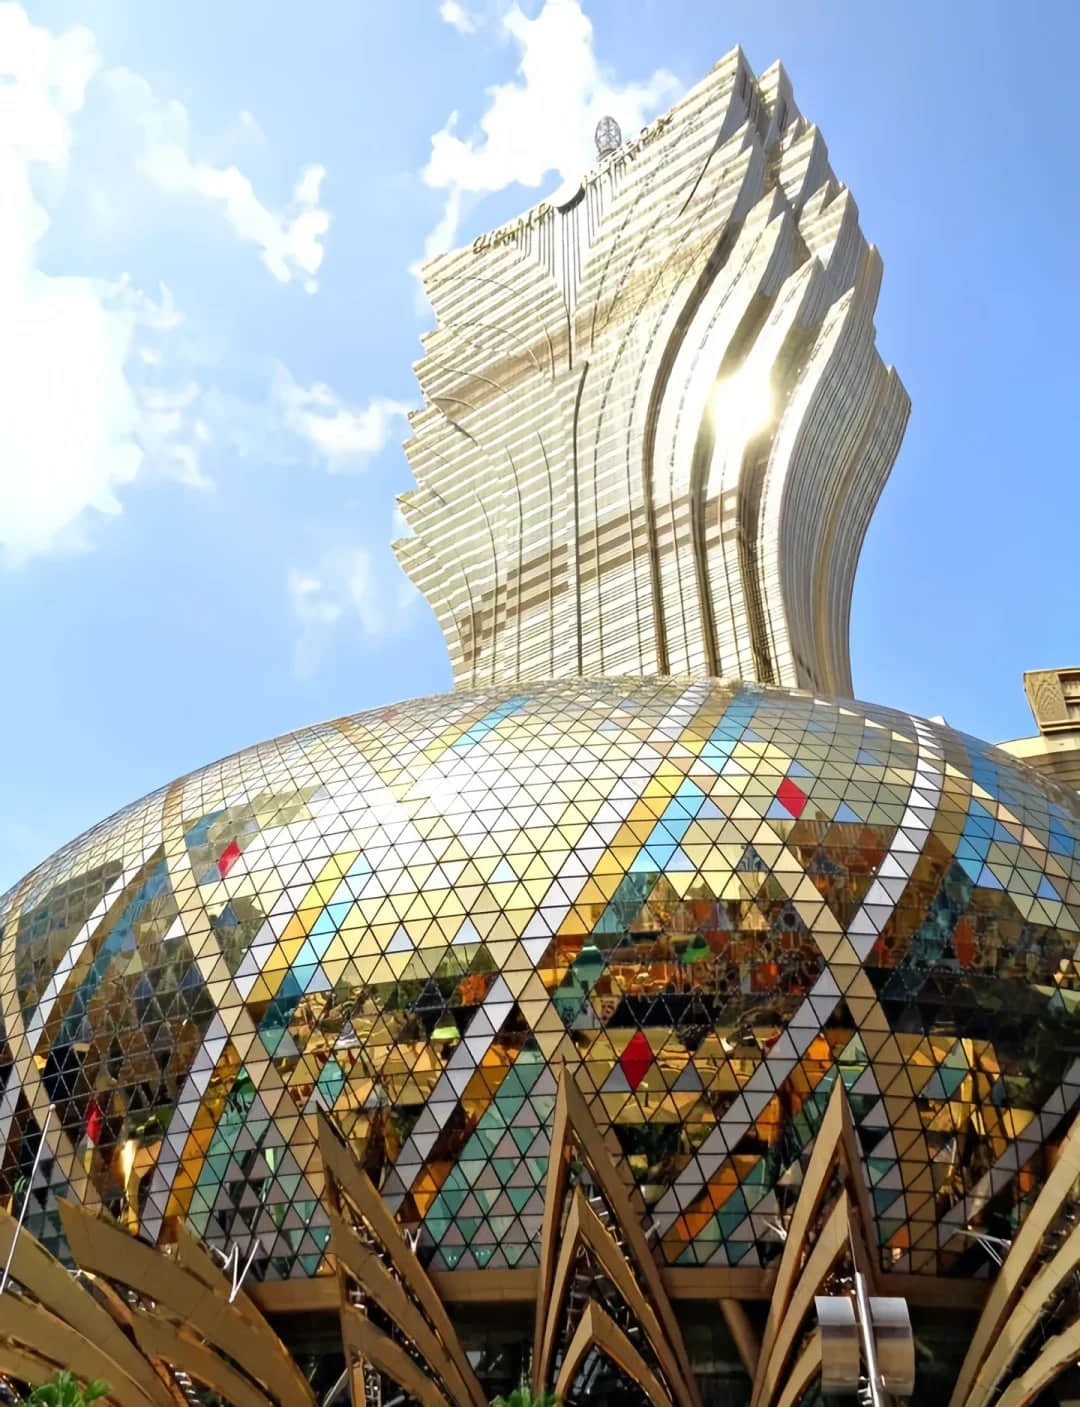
pixel 1054 696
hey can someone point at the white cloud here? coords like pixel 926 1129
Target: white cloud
pixel 543 121
pixel 289 240
pixel 443 235
pixel 245 131
pixel 345 436
pixel 160 316
pixel 454 13
pixel 171 432
pixel 344 590
pixel 90 392
pixel 72 427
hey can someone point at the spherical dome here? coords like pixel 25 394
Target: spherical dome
pixel 713 900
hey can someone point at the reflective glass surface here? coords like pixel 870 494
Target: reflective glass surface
pixel 712 900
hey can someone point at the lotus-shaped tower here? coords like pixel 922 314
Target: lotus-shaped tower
pixel 645 967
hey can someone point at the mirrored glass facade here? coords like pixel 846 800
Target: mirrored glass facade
pixel 712 900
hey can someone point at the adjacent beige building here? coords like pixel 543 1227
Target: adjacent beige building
pixel 656 422
pixel 1054 696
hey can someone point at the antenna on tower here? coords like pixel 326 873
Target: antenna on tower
pixel 608 137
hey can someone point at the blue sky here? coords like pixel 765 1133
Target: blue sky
pixel 208 321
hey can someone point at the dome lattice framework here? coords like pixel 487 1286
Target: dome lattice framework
pixel 163 1329
pixel 711 902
